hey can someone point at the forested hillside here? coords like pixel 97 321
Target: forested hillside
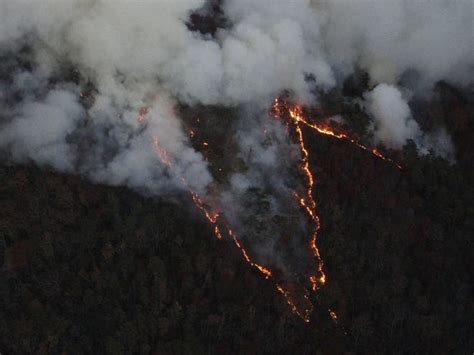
pixel 91 268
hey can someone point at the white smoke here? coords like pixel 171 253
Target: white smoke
pixel 392 118
pixel 141 54
pixel 271 47
pixel 388 38
pixel 129 52
pixel 394 125
pixel 39 129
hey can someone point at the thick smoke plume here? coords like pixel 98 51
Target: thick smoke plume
pixel 132 51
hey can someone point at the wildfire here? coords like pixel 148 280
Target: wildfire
pixel 309 205
pixel 297 115
pixel 213 217
pixel 296 295
pixel 306 310
pixel 307 202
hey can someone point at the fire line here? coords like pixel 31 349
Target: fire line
pixel 281 109
pixel 221 229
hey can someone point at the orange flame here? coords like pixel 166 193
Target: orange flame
pixel 280 109
pixel 307 202
pixel 306 313
pixel 296 113
pixel 211 216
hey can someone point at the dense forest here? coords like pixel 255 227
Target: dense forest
pixel 97 269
